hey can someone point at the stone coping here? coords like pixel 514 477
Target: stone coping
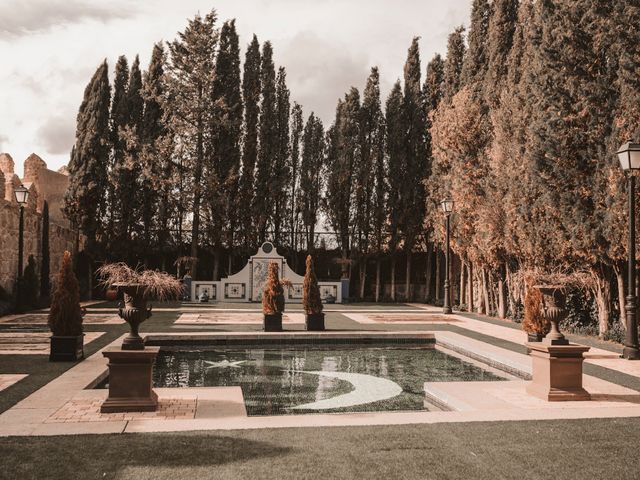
pixel 290 338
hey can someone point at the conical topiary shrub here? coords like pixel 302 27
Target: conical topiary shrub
pixel 534 322
pixel 273 300
pixel 311 301
pixel 65 316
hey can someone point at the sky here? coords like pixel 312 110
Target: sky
pixel 50 49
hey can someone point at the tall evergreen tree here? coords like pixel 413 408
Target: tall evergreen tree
pixel 127 174
pixel 454 62
pixel 293 207
pixel 84 198
pixel 416 159
pixel 251 90
pixel 370 176
pixel 343 156
pixel 45 268
pixel 190 83
pixel 396 137
pixel 226 131
pixel 502 25
pixel 263 207
pixel 475 65
pixel 118 121
pixel 433 84
pixel 281 172
pixel 312 171
pixel 156 163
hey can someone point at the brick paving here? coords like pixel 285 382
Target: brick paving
pixel 88 410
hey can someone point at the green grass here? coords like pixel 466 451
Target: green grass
pixel 577 449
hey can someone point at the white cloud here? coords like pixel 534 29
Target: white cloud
pixel 50 49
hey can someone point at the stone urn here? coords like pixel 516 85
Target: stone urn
pixel 134 312
pixel 553 309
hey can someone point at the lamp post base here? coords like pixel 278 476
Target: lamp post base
pixel 446 310
pixel 631 353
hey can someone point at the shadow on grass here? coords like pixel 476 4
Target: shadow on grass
pixel 103 456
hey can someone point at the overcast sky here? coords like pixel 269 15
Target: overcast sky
pixel 50 48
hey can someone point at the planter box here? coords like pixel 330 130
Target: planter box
pixel 66 349
pixel 273 322
pixel 314 321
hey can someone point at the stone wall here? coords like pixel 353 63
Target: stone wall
pixel 61 238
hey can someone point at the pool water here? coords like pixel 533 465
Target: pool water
pixel 303 379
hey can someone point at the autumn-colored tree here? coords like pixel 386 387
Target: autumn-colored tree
pixel 273 294
pixel 65 315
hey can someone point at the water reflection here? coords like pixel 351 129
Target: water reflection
pixel 272 380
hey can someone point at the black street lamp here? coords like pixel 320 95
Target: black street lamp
pixel 22 196
pixel 629 156
pixel 447 208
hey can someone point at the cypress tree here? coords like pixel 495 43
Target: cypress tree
pixel 190 83
pixel 396 136
pixel 417 166
pixel 226 134
pixel 343 156
pixel 119 118
pixel 454 62
pixel 45 268
pixel 156 165
pixel 475 65
pixel 263 207
pixel 251 89
pixel 502 25
pixel 128 173
pixel 434 83
pixel 312 169
pixel 281 172
pixel 84 198
pixel 370 175
pixel 293 207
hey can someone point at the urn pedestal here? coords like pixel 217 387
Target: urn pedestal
pixel 130 380
pixel 557 372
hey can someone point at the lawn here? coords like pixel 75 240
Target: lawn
pixel 577 449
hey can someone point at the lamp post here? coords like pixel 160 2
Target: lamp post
pixel 447 208
pixel 22 195
pixel 629 156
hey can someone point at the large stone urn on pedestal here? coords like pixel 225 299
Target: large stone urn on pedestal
pixel 557 363
pixel 131 366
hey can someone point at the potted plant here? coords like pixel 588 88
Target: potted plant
pixel 311 301
pixel 65 316
pixel 273 300
pixel 137 288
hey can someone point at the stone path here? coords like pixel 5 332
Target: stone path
pixel 42 318
pixel 230 318
pixel 33 343
pixel 6 380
